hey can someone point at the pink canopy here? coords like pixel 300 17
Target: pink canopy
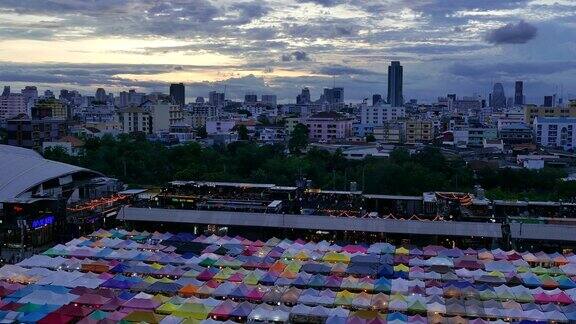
pixel 354 249
pixel 141 303
pixel 561 298
pixel 542 298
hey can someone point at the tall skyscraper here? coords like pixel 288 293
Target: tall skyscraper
pixel 101 95
pixel 250 98
pixel 376 99
pixel 270 100
pixel 498 97
pixel 334 96
pixel 30 94
pixel 178 93
pixel 549 101
pixel 48 94
pixel 304 97
pixel 217 99
pixel 519 93
pixel 395 80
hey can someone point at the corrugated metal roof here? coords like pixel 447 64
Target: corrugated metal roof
pixel 310 222
pixel 22 169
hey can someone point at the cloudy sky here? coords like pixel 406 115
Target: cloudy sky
pixel 280 46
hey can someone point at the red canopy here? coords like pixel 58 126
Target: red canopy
pixel 56 318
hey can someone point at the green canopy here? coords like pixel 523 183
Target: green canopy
pixel 142 317
pixel 207 262
pixel 167 308
pixel 417 307
pixel 98 315
pixel 194 311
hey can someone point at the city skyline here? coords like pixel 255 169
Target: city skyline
pixel 282 46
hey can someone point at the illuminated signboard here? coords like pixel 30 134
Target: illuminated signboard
pixel 43 222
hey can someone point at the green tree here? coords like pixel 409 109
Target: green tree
pixel 370 138
pixel 244 112
pixel 3 136
pixel 201 132
pixel 59 154
pixel 242 132
pixel 298 139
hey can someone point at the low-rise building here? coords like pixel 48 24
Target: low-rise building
pixel 555 132
pixel 49 108
pixel 392 132
pixel 531 112
pixel 379 114
pixel 329 125
pixel 196 115
pixel 31 133
pixel 99 114
pixel 517 133
pixel 72 145
pixel 220 126
pixel 477 136
pixel 149 117
pixel 12 105
pixel 270 133
pixel 290 123
pixel 135 119
pixel 418 131
pixel 535 162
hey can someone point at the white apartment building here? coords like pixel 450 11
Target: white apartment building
pixel 13 105
pixel 219 126
pixel 150 119
pixel 380 114
pixel 196 115
pixel 558 132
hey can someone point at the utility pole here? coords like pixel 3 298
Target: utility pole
pixel 363 179
pixel 334 179
pixel 22 224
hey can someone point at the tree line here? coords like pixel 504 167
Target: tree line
pixel 139 162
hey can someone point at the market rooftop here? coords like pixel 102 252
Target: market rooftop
pixel 172 278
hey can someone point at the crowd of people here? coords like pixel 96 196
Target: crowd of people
pixel 256 198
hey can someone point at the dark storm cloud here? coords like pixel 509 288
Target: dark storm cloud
pixel 249 11
pixel 444 6
pixel 323 29
pixel 288 87
pixel 428 36
pixel 175 18
pixel 438 48
pixel 296 56
pixel 25 33
pixel 344 70
pixel 84 74
pixel 84 7
pixel 251 49
pixel 325 3
pixel 511 69
pixel 519 33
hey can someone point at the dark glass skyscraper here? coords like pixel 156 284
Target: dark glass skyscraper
pixel 250 98
pixel 519 93
pixel 498 97
pixel 304 97
pixel 376 99
pixel 395 79
pixel 178 93
pixel 334 96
